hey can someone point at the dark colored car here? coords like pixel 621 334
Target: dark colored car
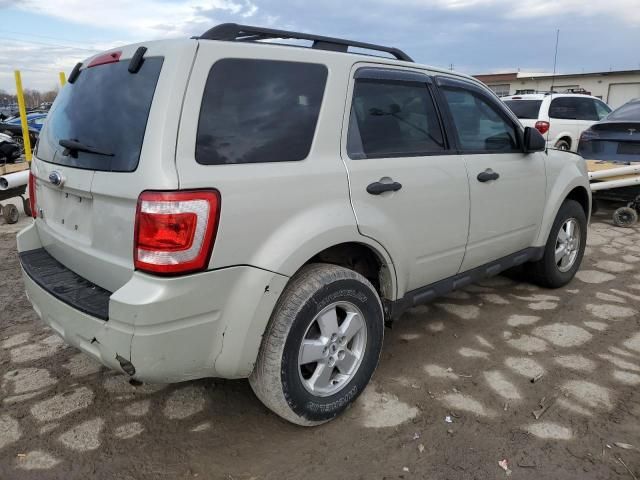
pixel 616 138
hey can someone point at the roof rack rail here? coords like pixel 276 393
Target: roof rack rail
pixel 232 32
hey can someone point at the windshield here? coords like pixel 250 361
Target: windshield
pixel 628 111
pixel 106 109
pixel 527 109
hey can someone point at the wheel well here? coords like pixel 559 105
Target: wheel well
pixel 566 139
pixel 580 195
pixel 360 258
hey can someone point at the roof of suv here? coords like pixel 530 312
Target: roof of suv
pixel 542 96
pixel 249 35
pixel 233 32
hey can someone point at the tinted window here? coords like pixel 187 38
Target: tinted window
pixel 105 108
pixel 628 111
pixel 528 109
pixel 573 108
pixel 479 124
pixel 393 119
pixel 259 111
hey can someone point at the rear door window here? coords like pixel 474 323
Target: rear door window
pixel 393 119
pixel 106 108
pixel 525 109
pixel 257 111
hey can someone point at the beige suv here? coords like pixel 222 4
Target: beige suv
pixel 227 207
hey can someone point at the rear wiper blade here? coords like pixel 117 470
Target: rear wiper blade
pixel 72 146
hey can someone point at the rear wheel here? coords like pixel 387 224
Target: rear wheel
pixel 564 249
pixel 563 145
pixel 321 346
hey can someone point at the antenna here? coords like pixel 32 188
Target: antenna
pixel 553 77
pixel 555 59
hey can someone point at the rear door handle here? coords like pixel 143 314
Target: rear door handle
pixel 376 188
pixel 488 175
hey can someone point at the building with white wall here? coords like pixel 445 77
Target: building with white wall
pixel 615 87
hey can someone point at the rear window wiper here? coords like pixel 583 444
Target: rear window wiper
pixel 72 147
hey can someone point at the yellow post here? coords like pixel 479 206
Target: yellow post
pixel 23 116
pixel 63 79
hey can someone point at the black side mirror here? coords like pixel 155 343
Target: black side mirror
pixel 533 141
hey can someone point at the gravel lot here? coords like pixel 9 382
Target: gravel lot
pixel 470 356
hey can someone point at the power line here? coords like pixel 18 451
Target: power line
pixel 69 47
pixel 37 35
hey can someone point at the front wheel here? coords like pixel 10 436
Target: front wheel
pixel 321 346
pixel 564 249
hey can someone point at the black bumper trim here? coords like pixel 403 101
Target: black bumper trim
pixel 65 285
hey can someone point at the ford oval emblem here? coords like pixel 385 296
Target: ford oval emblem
pixel 56 178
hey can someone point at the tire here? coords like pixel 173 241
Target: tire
pixel 10 213
pixel 625 217
pixel 549 273
pixel 563 145
pixel 281 379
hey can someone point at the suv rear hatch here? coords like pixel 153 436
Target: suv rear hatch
pixel 109 136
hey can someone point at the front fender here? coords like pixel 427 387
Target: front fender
pixel 565 172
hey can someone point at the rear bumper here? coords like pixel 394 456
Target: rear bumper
pixel 171 329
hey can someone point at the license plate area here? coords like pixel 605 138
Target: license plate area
pixel 67 212
pixel 629 148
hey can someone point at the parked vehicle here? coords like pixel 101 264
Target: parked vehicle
pixel 9 149
pixel 269 231
pixel 34 120
pixel 14 130
pixel 560 117
pixel 611 144
pixel 616 138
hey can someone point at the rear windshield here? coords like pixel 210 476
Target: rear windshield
pixel 526 109
pixel 628 111
pixel 106 109
pixel 259 111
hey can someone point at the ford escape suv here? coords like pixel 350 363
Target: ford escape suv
pixel 228 207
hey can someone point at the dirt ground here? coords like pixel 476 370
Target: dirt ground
pixel 469 358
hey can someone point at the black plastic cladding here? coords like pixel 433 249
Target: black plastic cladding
pixel 232 32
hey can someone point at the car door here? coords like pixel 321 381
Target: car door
pixel 564 120
pixel 507 187
pixel 409 190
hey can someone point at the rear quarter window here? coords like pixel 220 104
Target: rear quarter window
pixel 256 111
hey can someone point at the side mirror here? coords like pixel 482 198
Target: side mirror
pixel 533 141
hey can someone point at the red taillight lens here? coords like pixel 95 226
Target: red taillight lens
pixel 175 231
pixel 542 127
pixel 32 194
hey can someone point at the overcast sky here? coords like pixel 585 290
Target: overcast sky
pixel 42 37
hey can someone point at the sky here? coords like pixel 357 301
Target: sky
pixel 43 37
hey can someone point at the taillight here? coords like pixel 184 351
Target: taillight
pixel 175 231
pixel 32 194
pixel 542 127
pixel 589 135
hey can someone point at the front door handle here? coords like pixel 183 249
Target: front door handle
pixel 488 175
pixel 376 188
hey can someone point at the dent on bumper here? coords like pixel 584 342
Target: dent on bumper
pixel 170 329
